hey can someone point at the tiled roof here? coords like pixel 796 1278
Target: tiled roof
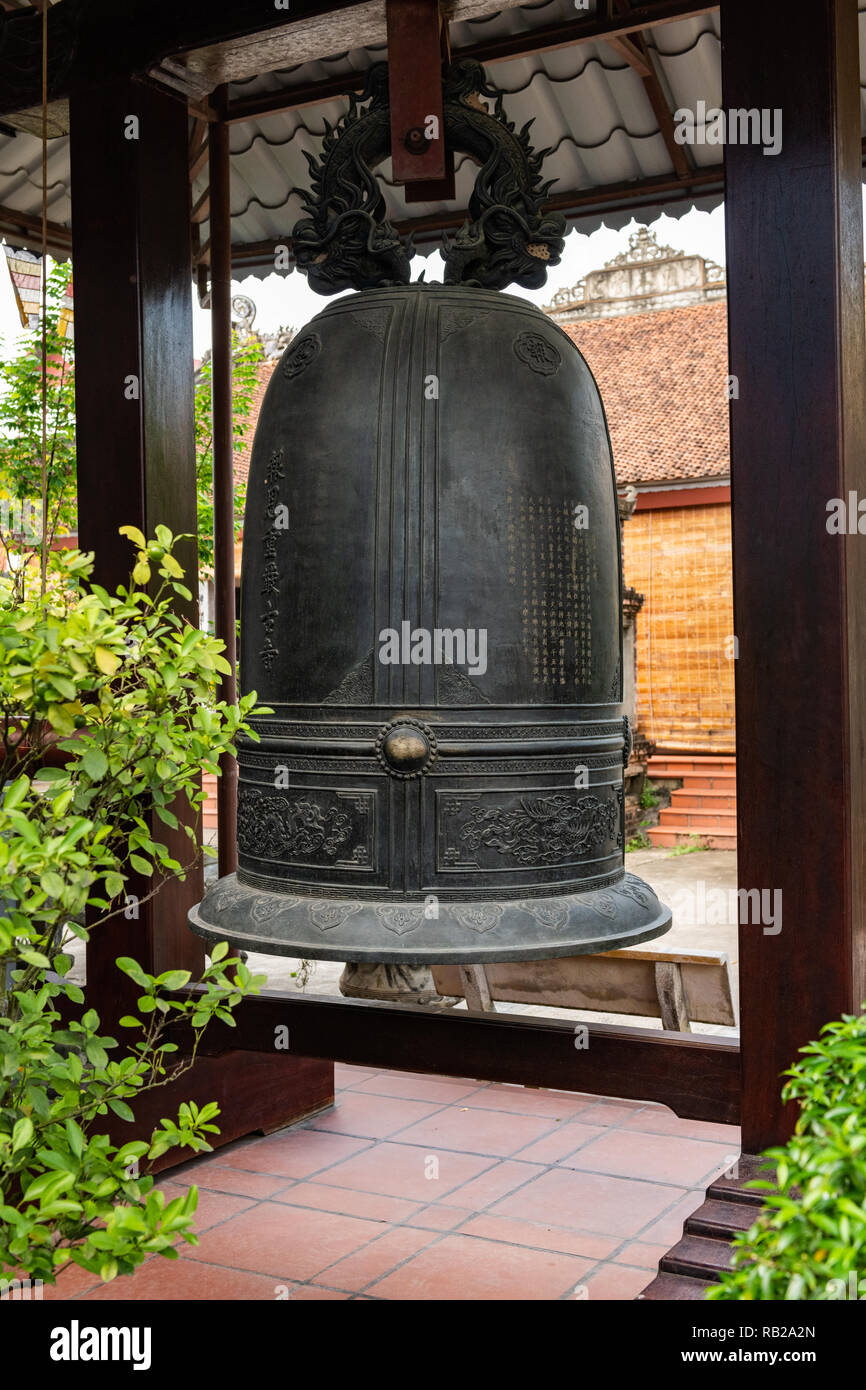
pixel 242 457
pixel 662 378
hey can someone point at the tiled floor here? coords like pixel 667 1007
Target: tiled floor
pixel 422 1187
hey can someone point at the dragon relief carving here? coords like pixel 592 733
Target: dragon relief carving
pixel 542 830
pixel 346 240
pixel 275 827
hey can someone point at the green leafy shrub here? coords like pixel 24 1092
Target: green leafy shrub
pixel 119 691
pixel 809 1241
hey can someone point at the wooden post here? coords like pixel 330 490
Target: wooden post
pixel 415 89
pixel 134 418
pixel 796 323
pixel 223 468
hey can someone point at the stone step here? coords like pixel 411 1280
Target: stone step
pixel 731 1189
pixel 699 1257
pixel 675 766
pixel 675 1288
pixel 209 809
pixel 672 836
pixel 708 782
pixel 698 819
pixel 719 1219
pixel 689 799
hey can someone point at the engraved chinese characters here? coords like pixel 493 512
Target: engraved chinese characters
pixel 270 575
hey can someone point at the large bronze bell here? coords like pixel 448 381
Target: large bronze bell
pixel 431 598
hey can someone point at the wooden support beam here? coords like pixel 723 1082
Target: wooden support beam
pixel 291 97
pixel 201 208
pixel 232 39
pixel 415 89
pixel 627 47
pixel 223 471
pixel 697 1075
pixel 619 29
pixel 679 157
pixel 134 421
pixel 22 229
pixel 794 239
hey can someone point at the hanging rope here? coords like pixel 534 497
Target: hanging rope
pixel 44 516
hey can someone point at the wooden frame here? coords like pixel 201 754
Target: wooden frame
pixel 798 433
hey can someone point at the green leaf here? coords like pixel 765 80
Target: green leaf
pixel 122 1109
pixel 134 535
pixel 174 979
pixel 75 1135
pixel 96 1054
pixel 22 1133
pixel 52 883
pixel 95 763
pixel 106 660
pixel 143 866
pixel 16 793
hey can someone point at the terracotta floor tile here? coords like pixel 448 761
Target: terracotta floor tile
pixel 463 1267
pixel 408 1086
pixel 371 1205
pixel 589 1202
pixel 540 1237
pixel 561 1142
pixel 640 1254
pixel 401 1170
pixel 436 1218
pixel 306 1293
pixel 460 1080
pixel 347 1075
pixel 654 1157
pixel 72 1280
pixel 490 1186
pixel 185 1279
pixel 288 1243
pixel 526 1100
pixel 608 1112
pixel 617 1283
pixel 376 1259
pixel 296 1153
pixel 669 1227
pixel 372 1116
pixel 495 1132
pixel 219 1177
pixel 656 1119
pixel 212 1208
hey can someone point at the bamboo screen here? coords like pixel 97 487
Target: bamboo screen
pixel 680 560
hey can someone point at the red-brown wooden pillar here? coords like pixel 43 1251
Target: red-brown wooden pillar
pixel 796 324
pixel 134 415
pixel 223 469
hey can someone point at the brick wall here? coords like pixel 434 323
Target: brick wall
pixel 680 560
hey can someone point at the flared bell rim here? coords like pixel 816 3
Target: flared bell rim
pixel 624 913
